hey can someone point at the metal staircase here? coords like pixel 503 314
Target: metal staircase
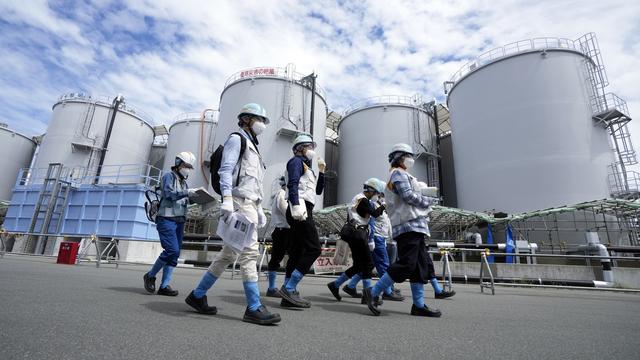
pixel 49 210
pixel 285 122
pixel 612 113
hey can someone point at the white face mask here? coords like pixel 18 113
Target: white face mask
pixel 185 172
pixel 310 154
pixel 374 198
pixel 258 127
pixel 408 163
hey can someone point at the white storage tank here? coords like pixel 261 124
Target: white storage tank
pixel 368 131
pixel 17 151
pixel 286 95
pixel 76 136
pixel 192 132
pixel 522 130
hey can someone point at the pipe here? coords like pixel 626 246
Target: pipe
pixel 313 101
pixel 437 126
pixel 115 106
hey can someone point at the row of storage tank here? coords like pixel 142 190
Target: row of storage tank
pixel 521 133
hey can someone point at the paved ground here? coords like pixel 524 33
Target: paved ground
pixel 79 312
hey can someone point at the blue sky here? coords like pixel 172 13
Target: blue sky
pixel 170 57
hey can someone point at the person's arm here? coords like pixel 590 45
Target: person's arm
pixel 230 157
pixel 281 203
pixel 402 187
pixel 295 169
pixel 320 184
pixel 168 190
pixel 364 207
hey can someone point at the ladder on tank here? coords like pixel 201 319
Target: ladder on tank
pixel 611 112
pixel 49 210
pixel 287 100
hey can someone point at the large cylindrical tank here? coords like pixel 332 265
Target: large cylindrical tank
pixel 17 151
pixel 522 129
pixel 286 95
pixel 191 132
pixel 76 135
pixel 368 131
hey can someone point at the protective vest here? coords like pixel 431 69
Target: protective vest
pixel 399 211
pixel 170 208
pixel 252 171
pixel 307 185
pixel 278 218
pixel 382 226
pixel 353 214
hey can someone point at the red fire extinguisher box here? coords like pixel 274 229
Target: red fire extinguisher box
pixel 68 252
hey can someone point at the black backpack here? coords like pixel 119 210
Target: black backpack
pixel 216 160
pixel 152 205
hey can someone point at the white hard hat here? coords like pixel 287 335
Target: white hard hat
pixel 186 157
pixel 398 150
pixel 303 139
pixel 255 110
pixel 376 184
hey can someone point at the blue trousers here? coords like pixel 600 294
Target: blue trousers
pixel 380 256
pixel 171 233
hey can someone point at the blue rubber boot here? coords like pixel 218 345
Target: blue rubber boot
pixel 271 275
pixel 384 282
pixel 252 293
pixel 207 281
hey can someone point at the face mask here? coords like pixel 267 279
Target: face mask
pixel 258 127
pixel 185 172
pixel 310 154
pixel 374 198
pixel 408 163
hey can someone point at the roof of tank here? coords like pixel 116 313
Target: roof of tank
pixel 5 127
pixel 579 46
pixel 194 117
pixel 107 102
pixel 269 72
pixel 414 102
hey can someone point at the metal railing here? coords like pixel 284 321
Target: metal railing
pixel 196 116
pixel 414 101
pixel 110 174
pixel 518 47
pixel 108 101
pixel 618 187
pixel 270 72
pixel 609 102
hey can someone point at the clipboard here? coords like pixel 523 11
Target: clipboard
pixel 201 196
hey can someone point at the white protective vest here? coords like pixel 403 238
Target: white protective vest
pixel 382 226
pixel 399 211
pixel 353 214
pixel 278 216
pixel 252 171
pixel 307 185
pixel 171 209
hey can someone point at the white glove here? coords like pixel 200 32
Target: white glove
pixel 372 246
pixel 299 212
pixel 322 165
pixel 262 218
pixel 226 208
pixel 191 192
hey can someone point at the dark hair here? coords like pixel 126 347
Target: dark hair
pixel 242 118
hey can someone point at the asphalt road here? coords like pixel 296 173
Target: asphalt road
pixel 50 311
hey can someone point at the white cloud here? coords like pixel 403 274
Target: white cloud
pixel 169 57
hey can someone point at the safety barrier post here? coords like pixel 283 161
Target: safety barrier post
pixel 446 269
pixel 3 234
pixel 485 264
